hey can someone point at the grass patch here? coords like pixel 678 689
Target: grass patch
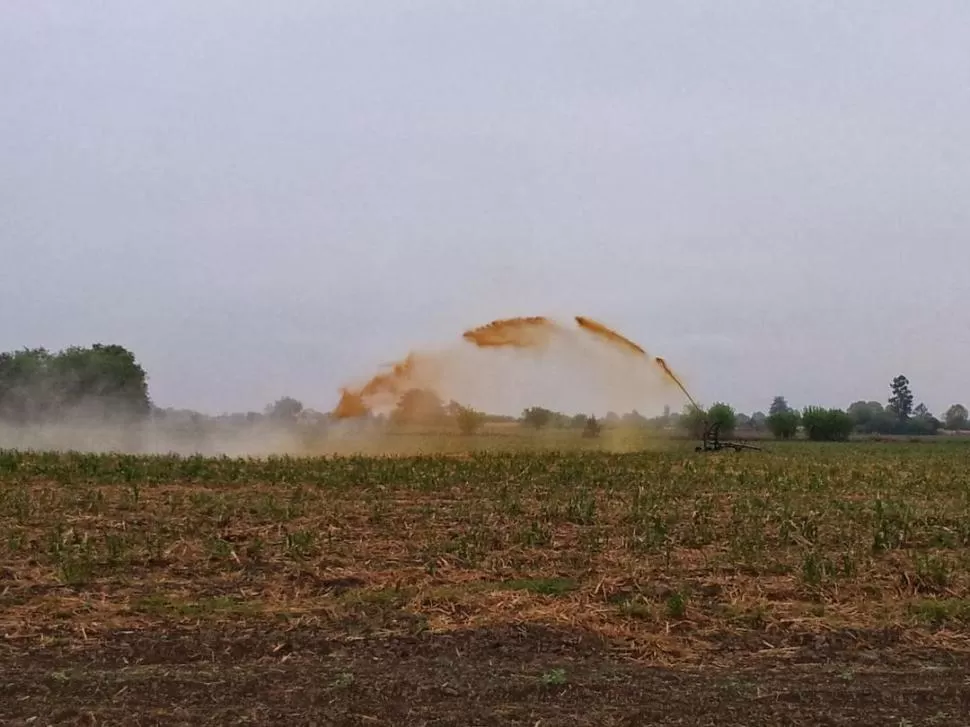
pixel 212 607
pixel 390 597
pixel 635 608
pixel 940 612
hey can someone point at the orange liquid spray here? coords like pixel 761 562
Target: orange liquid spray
pixel 430 371
pixel 393 383
pixel 525 332
pixel 609 335
pixel 673 377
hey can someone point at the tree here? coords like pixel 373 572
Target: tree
pixel 418 406
pixel 923 422
pixel 826 425
pixel 901 399
pixel 560 420
pixel 103 381
pixel 778 406
pixel 865 414
pixel 578 421
pixel 924 425
pixel 634 419
pixel 536 417
pixel 24 385
pixel 693 421
pixel 723 415
pixel 286 409
pixel 956 417
pixel 784 424
pixel 592 428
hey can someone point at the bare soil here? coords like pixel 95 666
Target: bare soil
pixel 513 675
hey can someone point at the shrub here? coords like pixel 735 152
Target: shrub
pixel 826 425
pixel 469 420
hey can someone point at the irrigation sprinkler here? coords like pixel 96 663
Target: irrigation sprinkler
pixel 711 437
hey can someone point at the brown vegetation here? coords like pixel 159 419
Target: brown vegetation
pixel 606 563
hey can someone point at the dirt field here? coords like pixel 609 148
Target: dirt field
pixel 513 675
pixel 807 585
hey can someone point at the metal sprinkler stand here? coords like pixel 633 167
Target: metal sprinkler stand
pixel 711 442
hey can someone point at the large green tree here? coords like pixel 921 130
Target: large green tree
pixel 901 398
pixel 537 417
pixel 784 424
pixel 724 416
pixel 782 420
pixel 956 417
pixel 102 381
pixel 778 406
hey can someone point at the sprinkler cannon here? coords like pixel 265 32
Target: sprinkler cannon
pixel 711 442
pixel 710 438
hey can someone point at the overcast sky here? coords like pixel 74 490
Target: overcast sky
pixel 262 199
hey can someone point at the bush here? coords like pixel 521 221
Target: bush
pixel 826 425
pixel 592 428
pixel 784 424
pixel 469 420
pixel 924 426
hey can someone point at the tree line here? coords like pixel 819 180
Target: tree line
pixel 898 416
pixel 106 383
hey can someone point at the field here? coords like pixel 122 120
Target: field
pixel 808 584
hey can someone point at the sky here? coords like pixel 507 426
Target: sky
pixel 268 199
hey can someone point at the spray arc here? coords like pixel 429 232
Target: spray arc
pixel 523 333
pixel 673 377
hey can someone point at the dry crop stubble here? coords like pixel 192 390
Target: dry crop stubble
pixel 519 586
pixel 666 555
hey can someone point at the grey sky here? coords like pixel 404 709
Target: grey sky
pixel 270 198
